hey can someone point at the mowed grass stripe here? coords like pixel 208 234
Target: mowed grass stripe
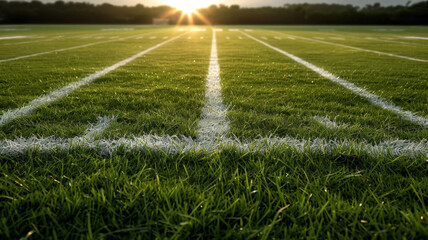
pixel 356 48
pixel 385 42
pixel 60 93
pixel 69 48
pixel 270 95
pixel 161 93
pixel 26 79
pixel 374 99
pixel 395 80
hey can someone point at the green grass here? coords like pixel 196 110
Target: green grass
pixel 229 194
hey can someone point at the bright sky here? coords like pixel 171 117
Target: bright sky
pixel 244 3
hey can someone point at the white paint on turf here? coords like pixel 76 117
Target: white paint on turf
pixel 177 145
pixel 63 49
pixel 97 129
pixel 13 37
pixel 357 48
pixel 213 124
pixel 374 99
pixel 328 123
pixel 418 38
pixel 62 92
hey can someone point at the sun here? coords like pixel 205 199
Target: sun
pixel 189 7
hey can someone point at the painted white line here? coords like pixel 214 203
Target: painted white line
pixel 278 38
pixel 337 38
pixel 153 37
pixel 213 123
pixel 96 130
pixel 240 38
pixel 374 99
pixel 390 41
pixel 100 37
pixel 13 37
pixel 177 145
pixel 62 50
pixel 117 29
pixel 419 38
pixel 319 38
pixel 265 38
pixel 62 92
pixel 198 29
pixel 328 123
pixel 36 41
pixel 400 42
pixel 357 48
pixel 14 29
pixel 291 38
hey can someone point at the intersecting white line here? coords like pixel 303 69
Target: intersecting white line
pixel 180 144
pixel 356 48
pixel 213 123
pixel 62 92
pixel 211 135
pixel 374 99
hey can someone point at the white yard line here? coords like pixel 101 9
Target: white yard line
pixel 35 41
pixel 62 92
pixel 213 124
pixel 374 99
pixel 355 48
pixel 177 145
pixel 63 49
pixel 418 38
pixel 13 37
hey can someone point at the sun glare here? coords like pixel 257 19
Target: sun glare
pixel 189 6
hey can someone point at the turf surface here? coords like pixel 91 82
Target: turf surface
pixel 279 193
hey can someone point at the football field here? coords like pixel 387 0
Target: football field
pixel 238 132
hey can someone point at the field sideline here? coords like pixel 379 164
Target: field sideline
pixel 213 132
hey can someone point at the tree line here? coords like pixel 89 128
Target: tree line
pixel 19 12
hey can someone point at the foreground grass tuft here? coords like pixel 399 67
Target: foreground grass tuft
pixel 229 195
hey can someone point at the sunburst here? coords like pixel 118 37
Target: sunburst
pixel 189 9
